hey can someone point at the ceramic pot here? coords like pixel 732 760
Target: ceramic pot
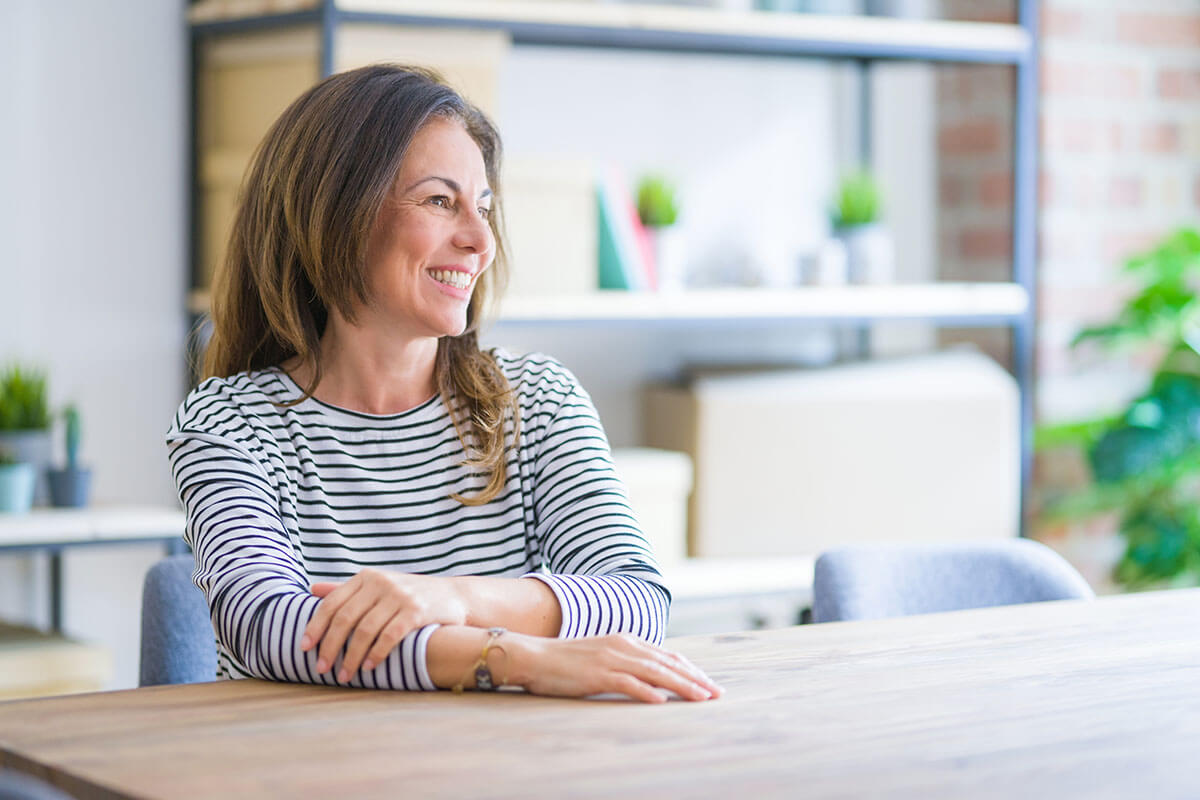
pixel 69 487
pixel 870 253
pixel 31 447
pixel 669 258
pixel 16 487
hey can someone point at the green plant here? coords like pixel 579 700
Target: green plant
pixel 657 201
pixel 1145 460
pixel 858 200
pixel 23 403
pixel 74 433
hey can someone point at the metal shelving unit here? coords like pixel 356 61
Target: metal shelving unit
pixel 859 40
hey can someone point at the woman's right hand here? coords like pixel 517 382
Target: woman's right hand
pixel 620 663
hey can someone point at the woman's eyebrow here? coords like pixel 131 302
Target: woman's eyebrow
pixel 454 187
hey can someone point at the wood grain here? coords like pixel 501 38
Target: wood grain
pixel 1077 699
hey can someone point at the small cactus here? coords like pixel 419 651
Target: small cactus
pixel 71 415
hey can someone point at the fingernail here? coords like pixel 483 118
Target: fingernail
pixel 343 676
pixel 368 665
pixel 322 665
pixel 305 643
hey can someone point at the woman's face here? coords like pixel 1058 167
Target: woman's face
pixel 431 240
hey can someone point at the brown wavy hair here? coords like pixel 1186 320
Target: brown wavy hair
pixel 299 242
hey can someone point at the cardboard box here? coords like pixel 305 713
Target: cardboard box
pixel 795 462
pixel 659 482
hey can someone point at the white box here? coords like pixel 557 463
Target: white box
pixel 795 462
pixel 659 482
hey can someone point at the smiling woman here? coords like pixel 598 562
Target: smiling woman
pixel 371 498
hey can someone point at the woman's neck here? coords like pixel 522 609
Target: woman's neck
pixel 362 370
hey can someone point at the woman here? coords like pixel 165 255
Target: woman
pixel 371 498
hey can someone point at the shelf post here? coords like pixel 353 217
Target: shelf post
pixel 1025 198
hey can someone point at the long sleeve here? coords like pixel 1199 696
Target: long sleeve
pixel 246 566
pixel 600 565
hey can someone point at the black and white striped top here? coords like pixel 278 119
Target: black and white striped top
pixel 279 498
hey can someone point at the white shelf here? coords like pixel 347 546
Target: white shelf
pixel 668 27
pixel 964 302
pixel 52 526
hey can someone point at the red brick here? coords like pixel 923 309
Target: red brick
pixel 1160 137
pixel 1071 78
pixel 1070 135
pixel 971 138
pixel 995 189
pixel 1159 30
pixel 1062 22
pixel 1127 191
pixel 1178 84
pixel 1116 137
pixel 1119 247
pixel 951 191
pixel 1082 302
pixel 985 243
pixel 1047 189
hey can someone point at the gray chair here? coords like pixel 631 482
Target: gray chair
pixel 19 786
pixel 177 636
pixel 867 582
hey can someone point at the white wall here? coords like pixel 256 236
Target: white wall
pixel 92 277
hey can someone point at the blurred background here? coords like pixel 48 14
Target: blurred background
pixel 838 328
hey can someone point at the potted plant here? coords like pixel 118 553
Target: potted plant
pixel 16 483
pixel 69 485
pixel 1144 461
pixel 25 422
pixel 658 210
pixel 856 219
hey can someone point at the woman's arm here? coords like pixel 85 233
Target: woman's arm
pixel 600 566
pixel 258 594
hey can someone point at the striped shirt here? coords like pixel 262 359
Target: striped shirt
pixel 280 497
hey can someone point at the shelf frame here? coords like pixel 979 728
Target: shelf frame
pixel 861 40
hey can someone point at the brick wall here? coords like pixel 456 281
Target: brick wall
pixel 1119 167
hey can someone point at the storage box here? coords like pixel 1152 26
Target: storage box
pixel 659 482
pixel 796 462
pixel 36 664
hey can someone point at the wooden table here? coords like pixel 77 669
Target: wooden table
pixel 1075 699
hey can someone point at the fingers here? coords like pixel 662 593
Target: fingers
pixel 383 627
pixel 396 629
pixel 331 601
pixel 661 672
pixel 344 621
pixel 680 662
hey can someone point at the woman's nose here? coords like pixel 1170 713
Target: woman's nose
pixel 473 234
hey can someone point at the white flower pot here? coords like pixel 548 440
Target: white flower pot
pixel 870 253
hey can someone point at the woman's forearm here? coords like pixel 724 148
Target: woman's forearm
pixel 524 605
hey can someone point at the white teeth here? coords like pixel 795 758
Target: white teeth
pixel 451 277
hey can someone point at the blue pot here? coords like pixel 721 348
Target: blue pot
pixel 17 482
pixel 69 487
pixel 31 447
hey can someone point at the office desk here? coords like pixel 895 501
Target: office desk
pixel 1075 699
pixel 52 530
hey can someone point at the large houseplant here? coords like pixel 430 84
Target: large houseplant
pixel 25 421
pixel 1144 461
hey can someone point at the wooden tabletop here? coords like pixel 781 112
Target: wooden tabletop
pixel 1075 699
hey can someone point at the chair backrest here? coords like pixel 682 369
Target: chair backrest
pixel 19 786
pixel 865 582
pixel 177 636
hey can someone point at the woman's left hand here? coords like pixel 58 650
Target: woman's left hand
pixel 375 610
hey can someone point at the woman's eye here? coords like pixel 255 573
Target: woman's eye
pixel 485 212
pixel 440 200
